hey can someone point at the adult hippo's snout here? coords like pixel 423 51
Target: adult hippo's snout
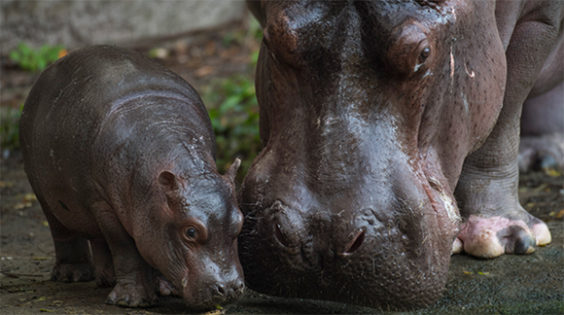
pixel 359 241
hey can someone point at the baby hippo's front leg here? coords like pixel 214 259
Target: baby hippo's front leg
pixel 134 277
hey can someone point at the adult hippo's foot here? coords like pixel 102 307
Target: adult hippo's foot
pixel 494 221
pixel 543 152
pixel 542 128
pixel 491 237
pixel 494 236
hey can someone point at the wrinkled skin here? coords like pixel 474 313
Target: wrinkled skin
pixel 120 151
pixel 368 111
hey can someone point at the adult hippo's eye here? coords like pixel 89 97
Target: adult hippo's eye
pixel 410 49
pixel 425 52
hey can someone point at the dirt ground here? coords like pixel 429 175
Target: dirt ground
pixel 531 284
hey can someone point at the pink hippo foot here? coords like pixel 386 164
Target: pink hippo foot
pixel 494 236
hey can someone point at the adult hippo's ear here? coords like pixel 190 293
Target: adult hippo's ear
pixel 168 181
pixel 232 171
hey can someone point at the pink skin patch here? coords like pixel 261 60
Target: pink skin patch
pixel 489 237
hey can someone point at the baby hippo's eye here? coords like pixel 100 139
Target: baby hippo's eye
pixel 191 233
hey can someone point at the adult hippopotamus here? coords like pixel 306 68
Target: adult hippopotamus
pixel 120 151
pixel 374 116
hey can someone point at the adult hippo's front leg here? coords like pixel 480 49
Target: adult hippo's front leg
pixel 494 221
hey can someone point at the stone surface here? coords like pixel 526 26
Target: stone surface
pixel 79 23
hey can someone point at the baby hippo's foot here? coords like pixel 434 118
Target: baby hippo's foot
pixel 165 288
pixel 542 152
pixel 132 294
pixel 105 277
pixel 489 237
pixel 72 272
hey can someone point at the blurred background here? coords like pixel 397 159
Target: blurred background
pixel 213 44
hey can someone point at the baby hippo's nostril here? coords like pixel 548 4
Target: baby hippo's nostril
pixel 354 244
pixel 220 290
pixel 239 286
pixel 229 290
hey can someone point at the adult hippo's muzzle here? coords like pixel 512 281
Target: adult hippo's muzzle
pixel 366 125
pixel 376 237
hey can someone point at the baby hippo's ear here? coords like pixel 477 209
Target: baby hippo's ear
pixel 232 171
pixel 168 181
pixel 170 186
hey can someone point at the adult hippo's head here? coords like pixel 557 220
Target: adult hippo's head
pixel 367 111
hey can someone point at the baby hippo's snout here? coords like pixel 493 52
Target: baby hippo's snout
pixel 210 292
pixel 219 293
pixel 228 291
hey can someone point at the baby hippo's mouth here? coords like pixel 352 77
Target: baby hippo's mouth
pixel 201 299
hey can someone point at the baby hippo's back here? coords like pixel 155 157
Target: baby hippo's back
pixel 99 118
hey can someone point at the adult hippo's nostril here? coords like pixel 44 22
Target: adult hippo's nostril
pixel 355 243
pixel 280 236
pixel 286 226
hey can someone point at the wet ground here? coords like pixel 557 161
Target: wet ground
pixel 531 284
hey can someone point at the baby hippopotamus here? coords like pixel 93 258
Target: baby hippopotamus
pixel 120 153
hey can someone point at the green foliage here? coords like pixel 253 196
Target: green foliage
pixel 233 107
pixel 255 30
pixel 34 60
pixel 252 32
pixel 9 128
pixel 233 110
